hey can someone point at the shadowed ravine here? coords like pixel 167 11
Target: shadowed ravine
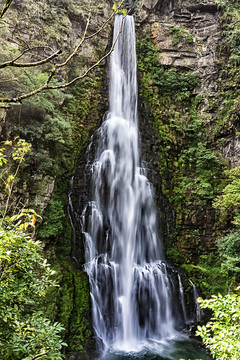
pixel 136 304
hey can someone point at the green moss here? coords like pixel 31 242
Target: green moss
pixel 53 221
pixel 79 324
pixel 181 34
pixel 189 167
pixel 208 275
pixel 70 303
pixel 229 60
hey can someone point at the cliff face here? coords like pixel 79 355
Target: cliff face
pixel 189 104
pixel 189 35
pixel 189 121
pixel 53 122
pixel 186 35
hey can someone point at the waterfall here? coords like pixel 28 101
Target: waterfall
pixel 131 287
pixel 181 296
pixel 198 310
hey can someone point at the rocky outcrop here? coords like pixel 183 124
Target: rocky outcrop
pixel 186 35
pixel 188 39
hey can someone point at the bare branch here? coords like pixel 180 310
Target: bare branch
pixel 62 86
pixel 105 23
pixel 18 57
pixel 20 98
pixel 77 47
pixel 9 267
pixel 57 66
pixel 5 7
pixel 39 355
pixel 36 63
pixel 47 85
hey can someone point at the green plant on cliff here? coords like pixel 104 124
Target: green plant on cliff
pixel 229 249
pixel 53 222
pixel 228 204
pixel 231 28
pixel 189 165
pixel 229 60
pixel 229 201
pixel 185 150
pixel 181 33
pixel 25 275
pixel 221 334
pixel 45 125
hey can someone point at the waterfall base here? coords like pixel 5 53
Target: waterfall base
pixel 179 347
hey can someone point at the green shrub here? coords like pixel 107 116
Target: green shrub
pixel 221 334
pixel 53 220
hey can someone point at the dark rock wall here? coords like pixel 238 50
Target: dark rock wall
pixel 187 39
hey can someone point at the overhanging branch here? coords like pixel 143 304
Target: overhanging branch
pixel 40 355
pixel 47 86
pixel 24 65
pixel 5 7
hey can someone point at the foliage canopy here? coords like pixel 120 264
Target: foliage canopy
pixel 222 333
pixel 25 275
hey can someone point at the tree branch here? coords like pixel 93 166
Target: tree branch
pixel 9 267
pixel 36 63
pixel 77 47
pixel 5 7
pixel 40 355
pixel 47 86
pixel 105 23
pixel 62 86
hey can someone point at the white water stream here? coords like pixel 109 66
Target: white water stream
pixel 131 289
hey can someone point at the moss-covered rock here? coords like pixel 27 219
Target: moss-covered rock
pixel 185 101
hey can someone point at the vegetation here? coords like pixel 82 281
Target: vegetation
pixel 194 175
pixel 229 205
pixel 199 183
pixel 25 275
pixel 55 72
pixel 189 168
pixel 231 28
pixel 229 201
pixel 58 124
pixel 181 33
pixel 221 334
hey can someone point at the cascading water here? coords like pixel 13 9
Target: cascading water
pixel 131 289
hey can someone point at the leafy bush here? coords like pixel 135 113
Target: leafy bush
pixel 25 278
pixel 181 33
pixel 170 81
pixel 221 334
pixel 229 201
pixel 229 249
pixel 25 275
pixel 53 220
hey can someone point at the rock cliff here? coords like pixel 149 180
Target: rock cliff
pixel 189 104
